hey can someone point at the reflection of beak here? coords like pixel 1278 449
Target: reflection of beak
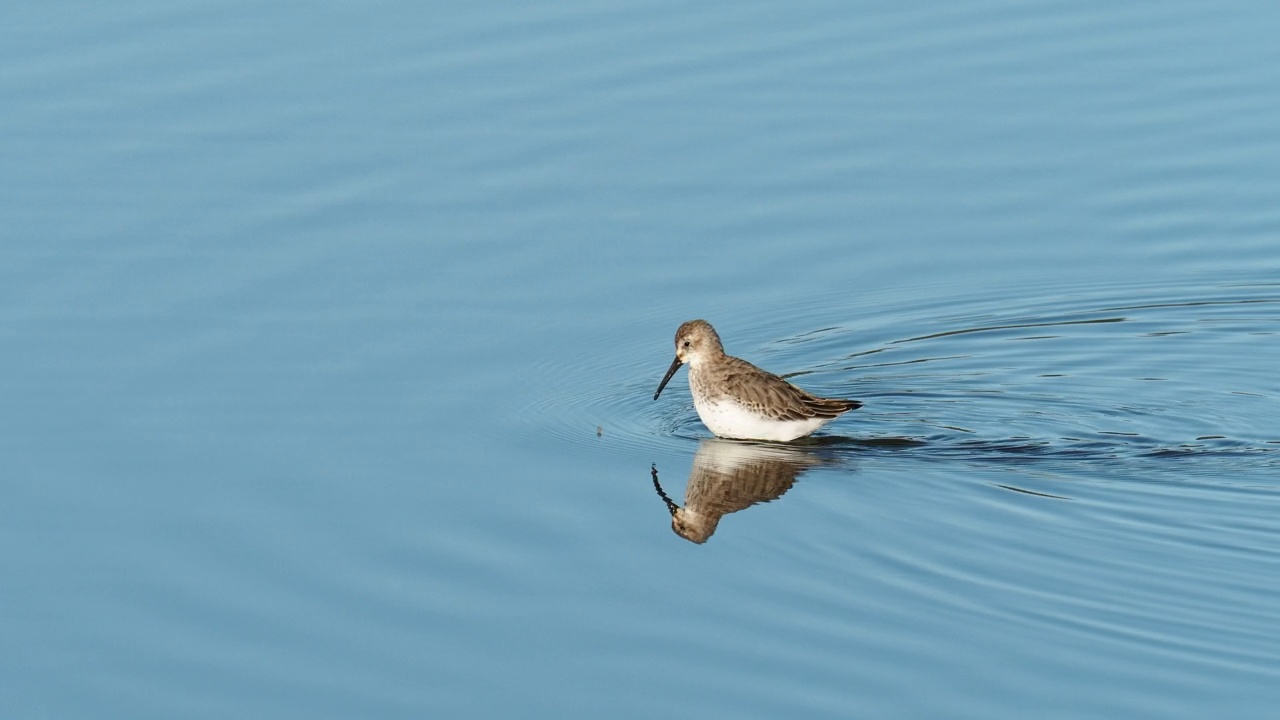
pixel 672 507
pixel 675 365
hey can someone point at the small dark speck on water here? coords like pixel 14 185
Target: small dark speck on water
pixel 599 431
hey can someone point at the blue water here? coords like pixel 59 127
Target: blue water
pixel 329 335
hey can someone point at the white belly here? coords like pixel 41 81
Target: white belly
pixel 728 419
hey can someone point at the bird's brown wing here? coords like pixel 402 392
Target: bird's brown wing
pixel 770 395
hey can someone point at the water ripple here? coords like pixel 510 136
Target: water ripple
pixel 1086 373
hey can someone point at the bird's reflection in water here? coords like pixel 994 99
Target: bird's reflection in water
pixel 729 476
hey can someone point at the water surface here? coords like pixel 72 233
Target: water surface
pixel 330 336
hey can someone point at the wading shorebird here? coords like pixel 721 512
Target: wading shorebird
pixel 738 400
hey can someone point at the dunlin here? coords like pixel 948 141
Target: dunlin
pixel 738 400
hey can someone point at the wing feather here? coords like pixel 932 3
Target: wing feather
pixel 769 394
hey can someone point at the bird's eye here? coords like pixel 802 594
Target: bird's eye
pixel 686 343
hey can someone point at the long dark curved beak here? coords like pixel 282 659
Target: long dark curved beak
pixel 675 365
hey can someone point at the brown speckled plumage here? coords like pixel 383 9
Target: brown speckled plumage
pixel 767 394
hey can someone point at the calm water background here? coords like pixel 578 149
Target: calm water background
pixel 328 336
